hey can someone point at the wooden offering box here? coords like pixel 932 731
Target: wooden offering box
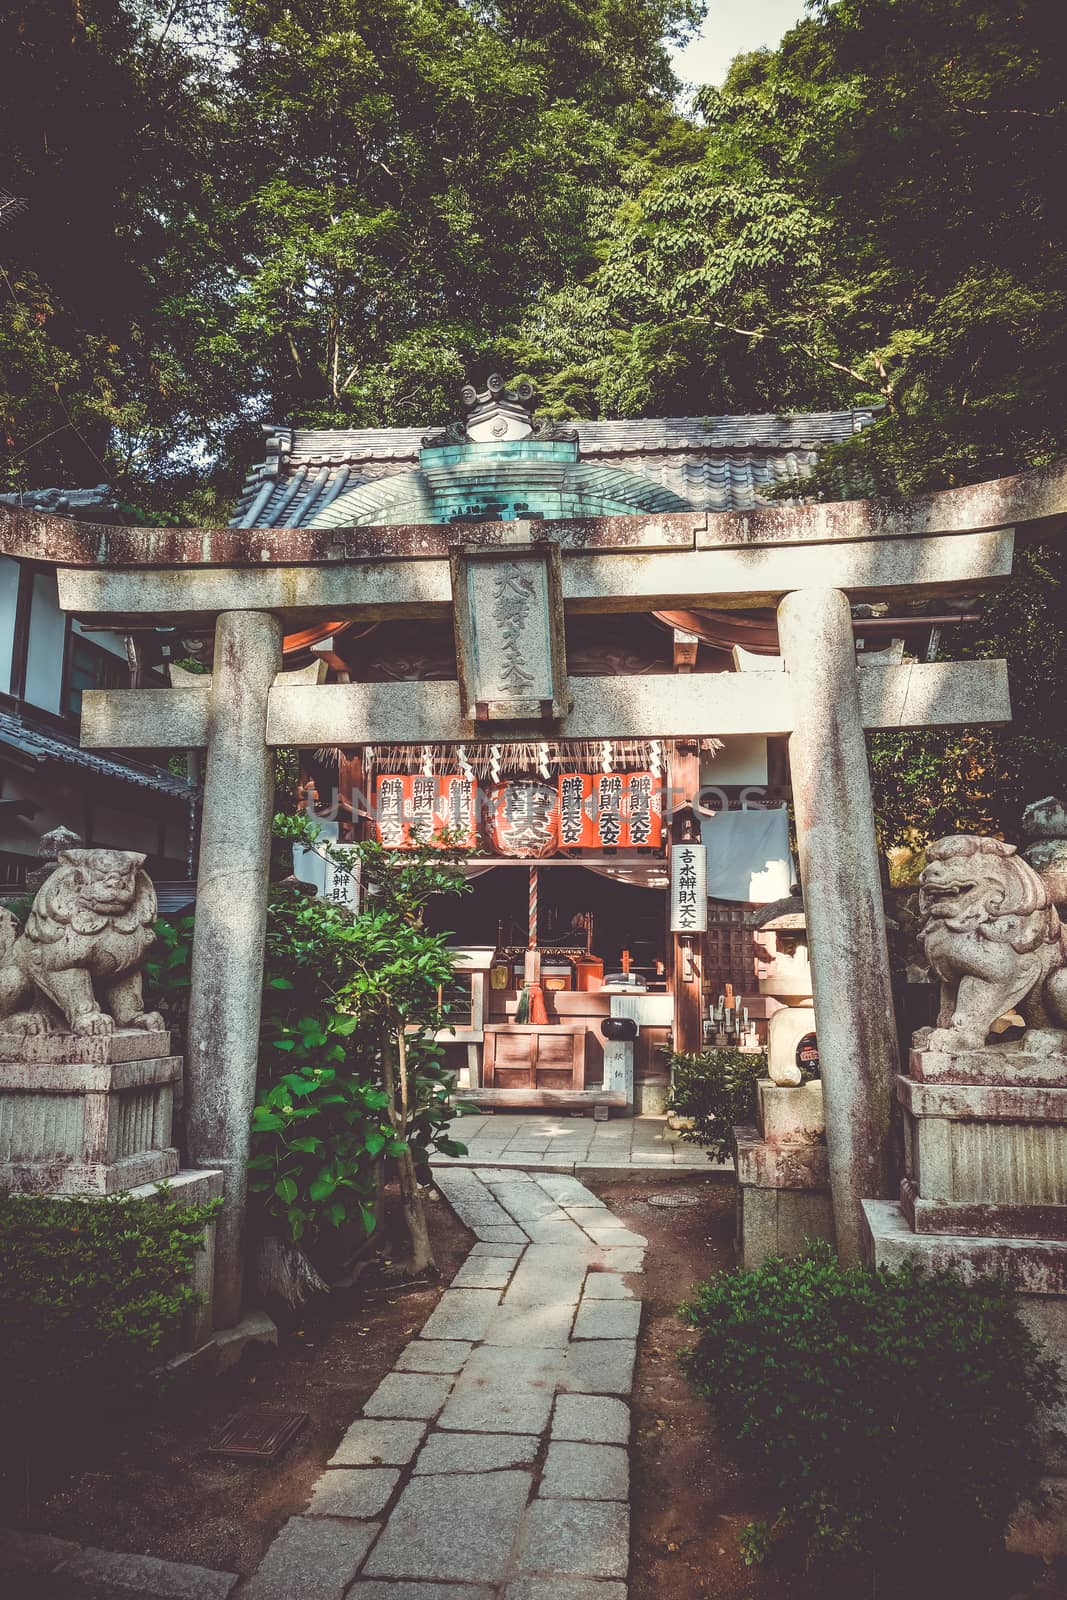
pixel 530 1056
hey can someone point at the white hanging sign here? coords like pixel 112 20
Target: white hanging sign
pixel 689 888
pixel 330 880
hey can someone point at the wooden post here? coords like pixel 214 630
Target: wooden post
pixel 222 1050
pixel 840 873
pixel 687 948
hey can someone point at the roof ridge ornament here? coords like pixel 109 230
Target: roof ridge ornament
pixel 496 414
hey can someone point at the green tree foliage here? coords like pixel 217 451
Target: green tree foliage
pixel 317 212
pixel 873 220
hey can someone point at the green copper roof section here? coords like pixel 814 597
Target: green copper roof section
pixel 498 481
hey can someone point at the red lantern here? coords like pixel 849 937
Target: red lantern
pixel 524 819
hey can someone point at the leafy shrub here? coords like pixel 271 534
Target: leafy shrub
pixel 92 1292
pixel 716 1090
pixel 892 1416
pixel 339 992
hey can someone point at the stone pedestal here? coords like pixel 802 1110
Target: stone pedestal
pixel 985 1193
pixel 193 1188
pixel 987 1157
pixel 86 1115
pixel 783 1178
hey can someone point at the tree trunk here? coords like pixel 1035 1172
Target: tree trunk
pixel 414 1212
pixel 284 1270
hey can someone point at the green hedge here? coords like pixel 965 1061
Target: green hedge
pixel 92 1292
pixel 716 1090
pixel 892 1417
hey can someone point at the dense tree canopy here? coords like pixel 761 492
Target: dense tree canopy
pixel 318 211
pixel 331 212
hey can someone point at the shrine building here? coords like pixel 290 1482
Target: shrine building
pixel 600 658
pixel 584 826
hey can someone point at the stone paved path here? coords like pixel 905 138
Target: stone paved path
pixel 492 1463
pixel 562 1143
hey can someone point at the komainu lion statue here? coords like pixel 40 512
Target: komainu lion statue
pixel 89 928
pixel 993 937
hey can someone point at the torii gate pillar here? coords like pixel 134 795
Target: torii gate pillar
pixel 222 1048
pixel 843 906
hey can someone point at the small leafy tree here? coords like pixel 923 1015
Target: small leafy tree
pixel 386 978
pixel 351 1078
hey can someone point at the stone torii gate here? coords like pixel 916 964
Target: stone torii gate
pixel 810 561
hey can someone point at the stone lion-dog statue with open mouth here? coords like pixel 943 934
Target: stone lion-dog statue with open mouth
pixel 993 936
pixel 89 929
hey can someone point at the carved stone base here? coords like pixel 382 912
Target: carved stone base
pixel 994 1064
pixel 87 1115
pixel 985 1158
pixel 783 1178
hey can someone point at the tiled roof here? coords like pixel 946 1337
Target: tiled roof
pixel 714 463
pixel 44 746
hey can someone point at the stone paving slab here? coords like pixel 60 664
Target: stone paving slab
pixel 599 1366
pixel 537 1327
pixel 585 1472
pixel 504 1390
pixel 36 1564
pixel 548 1142
pixel 408 1394
pixel 608 1319
pixel 606 1286
pixel 371 1589
pixel 612 1235
pixel 35 1553
pixel 622 1260
pixel 375 1442
pixel 434 1532
pixel 360 1492
pixel 591 1419
pixel 484 1272
pixel 435 1355
pixel 476 1452
pixel 565 1589
pixel 523 1363
pixel 313 1558
pixel 462 1314
pixel 556 1232
pixel 580 1537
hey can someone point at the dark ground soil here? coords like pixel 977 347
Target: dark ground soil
pixel 689 1502
pixel 146 1485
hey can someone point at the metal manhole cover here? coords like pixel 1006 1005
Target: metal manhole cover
pixel 258 1434
pixel 675 1198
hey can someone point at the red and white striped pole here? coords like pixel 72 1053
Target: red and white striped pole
pixel 532 964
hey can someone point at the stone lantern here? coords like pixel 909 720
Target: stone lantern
pixel 785 974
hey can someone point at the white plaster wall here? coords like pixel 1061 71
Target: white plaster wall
pixel 44 659
pixel 9 589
